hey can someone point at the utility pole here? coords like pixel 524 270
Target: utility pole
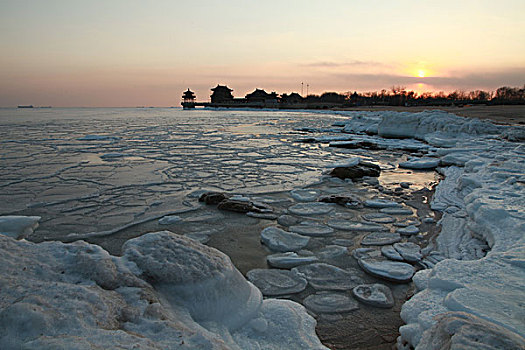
pixel 302 84
pixel 307 86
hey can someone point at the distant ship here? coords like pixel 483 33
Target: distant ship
pixel 29 106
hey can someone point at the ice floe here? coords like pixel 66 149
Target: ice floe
pixel 313 230
pixel 283 241
pixel 381 203
pixel 276 282
pixel 420 163
pixel 305 195
pixel 326 302
pixel 18 227
pixel 381 238
pixel 311 209
pixel 377 295
pixel 380 218
pixel 408 231
pixel 349 225
pixel 323 276
pixel 290 259
pixel 394 271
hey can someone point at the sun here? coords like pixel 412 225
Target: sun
pixel 421 73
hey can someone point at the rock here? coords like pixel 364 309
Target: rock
pixel 356 171
pixel 289 259
pixel 212 197
pixel 408 231
pixel 410 252
pixel 381 203
pixel 377 295
pixel 304 195
pixel 345 200
pixel 380 218
pixel 330 303
pixel 309 209
pixel 276 282
pixel 389 270
pixel 348 225
pixel 313 230
pixel 288 220
pixel 282 241
pixel 389 252
pixel 381 238
pixel 323 276
pixel 421 163
pixel 358 144
pixel 239 205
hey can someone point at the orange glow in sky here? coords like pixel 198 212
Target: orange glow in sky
pixel 136 53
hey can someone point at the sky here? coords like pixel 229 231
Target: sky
pixel 146 53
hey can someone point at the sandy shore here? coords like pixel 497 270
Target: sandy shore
pixel 499 114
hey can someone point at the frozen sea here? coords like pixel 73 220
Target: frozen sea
pixel 116 178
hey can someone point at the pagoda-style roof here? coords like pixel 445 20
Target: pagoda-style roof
pixel 188 95
pixel 221 87
pixel 258 94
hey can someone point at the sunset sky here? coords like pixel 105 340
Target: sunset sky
pixel 145 53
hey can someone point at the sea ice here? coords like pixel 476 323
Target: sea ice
pixel 376 294
pixel 326 302
pixel 380 218
pixel 18 227
pixel 381 203
pixel 282 241
pixel 323 276
pixel 169 220
pixel 408 231
pixel 410 252
pixel 310 209
pixel 389 252
pixel 420 163
pixel 276 282
pixel 390 270
pixel 397 211
pixel 381 238
pixel 348 225
pixel 332 251
pixel 313 230
pixel 290 259
pixel 305 195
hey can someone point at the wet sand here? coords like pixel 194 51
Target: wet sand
pixel 508 114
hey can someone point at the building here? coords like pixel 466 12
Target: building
pixel 221 94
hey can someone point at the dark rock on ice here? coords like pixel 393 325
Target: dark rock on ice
pixel 346 200
pixel 357 171
pixel 212 197
pixel 243 205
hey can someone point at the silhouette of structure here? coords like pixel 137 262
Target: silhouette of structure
pixel 188 98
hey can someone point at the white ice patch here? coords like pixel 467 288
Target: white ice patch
pixel 289 259
pixel 18 227
pixel 165 291
pixel 359 226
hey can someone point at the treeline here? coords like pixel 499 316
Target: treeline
pixel 399 96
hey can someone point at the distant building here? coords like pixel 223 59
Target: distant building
pixel 221 94
pixel 263 99
pixel 188 96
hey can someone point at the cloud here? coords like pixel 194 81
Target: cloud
pixel 354 63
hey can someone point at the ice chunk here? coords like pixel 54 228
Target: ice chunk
pixel 276 282
pixel 332 251
pixel 392 254
pixel 381 238
pixel 282 241
pixel 18 227
pixel 421 163
pixel 408 231
pixel 330 303
pixel 380 218
pixel 310 209
pixel 323 276
pixel 169 220
pixel 347 225
pixel 390 270
pixel 305 195
pixel 381 203
pixel 410 252
pixel 376 294
pixel 289 259
pixel 314 230
pixel 397 211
